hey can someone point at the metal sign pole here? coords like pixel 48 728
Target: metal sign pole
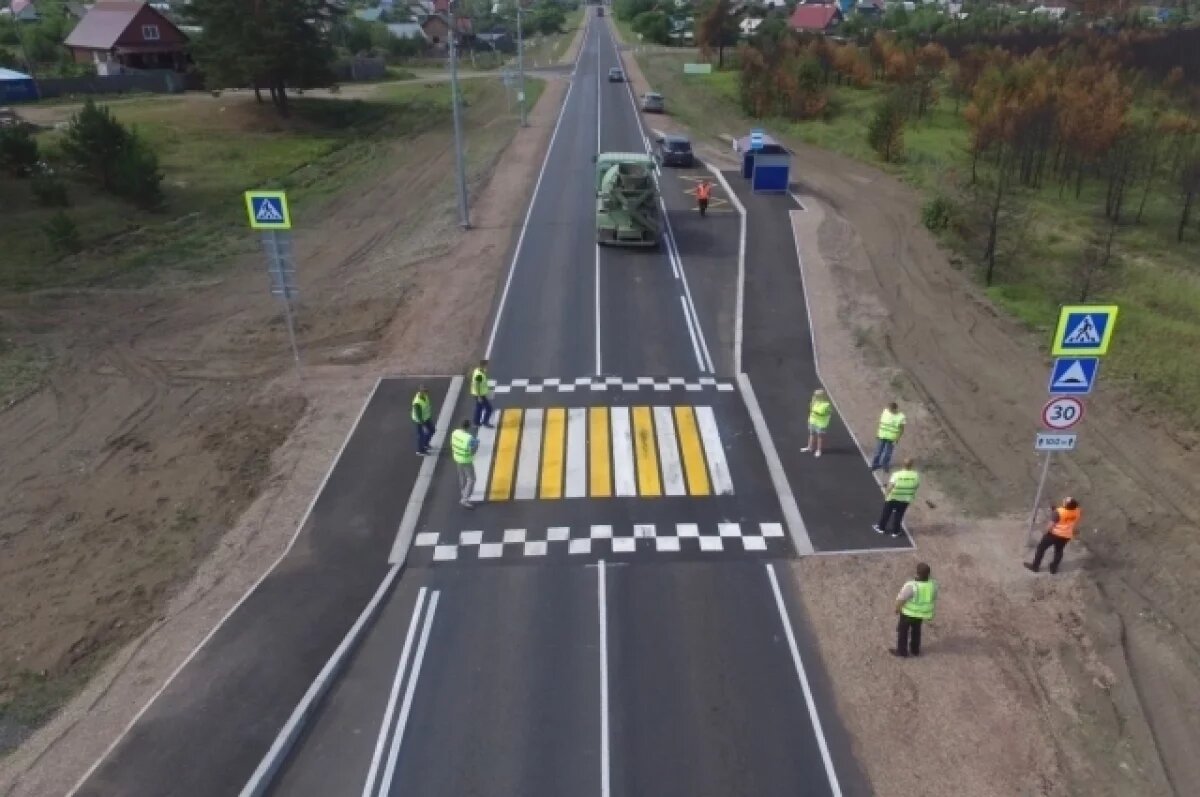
pixel 1037 499
pixel 283 283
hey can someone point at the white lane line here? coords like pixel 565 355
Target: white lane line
pixel 260 781
pixel 691 328
pixel 245 596
pixel 687 292
pixel 385 787
pixel 602 601
pixel 783 488
pixel 483 457
pixel 385 727
pixel 668 452
pixel 622 453
pixel 830 774
pixel 741 278
pixel 576 453
pixel 416 499
pixel 714 452
pixel 530 453
pixel 596 331
pixel 512 268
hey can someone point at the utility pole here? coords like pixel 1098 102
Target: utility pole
pixel 464 213
pixel 521 62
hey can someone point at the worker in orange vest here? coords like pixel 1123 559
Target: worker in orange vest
pixel 703 192
pixel 1062 530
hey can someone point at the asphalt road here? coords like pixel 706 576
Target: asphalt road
pixel 610 644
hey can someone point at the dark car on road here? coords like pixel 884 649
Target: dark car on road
pixel 653 102
pixel 675 151
pixel 616 75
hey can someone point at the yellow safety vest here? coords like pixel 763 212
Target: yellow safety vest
pixel 904 486
pixel 819 413
pixel 890 424
pixel 479 382
pixel 460 445
pixel 920 605
pixel 421 410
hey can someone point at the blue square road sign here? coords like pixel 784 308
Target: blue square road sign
pixel 1084 330
pixel 268 210
pixel 1073 376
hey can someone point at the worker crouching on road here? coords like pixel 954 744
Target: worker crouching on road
pixel 820 410
pixel 703 192
pixel 914 606
pixel 1064 519
pixel 481 388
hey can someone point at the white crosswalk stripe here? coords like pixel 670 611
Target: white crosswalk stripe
pixel 527 464
pixel 714 451
pixel 668 452
pixel 576 475
pixel 622 452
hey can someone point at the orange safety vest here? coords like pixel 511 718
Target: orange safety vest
pixel 703 190
pixel 1065 525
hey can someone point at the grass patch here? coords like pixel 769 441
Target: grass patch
pixel 211 150
pixel 21 370
pixel 1158 286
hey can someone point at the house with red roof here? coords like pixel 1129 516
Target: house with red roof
pixel 127 35
pixel 815 18
pixel 21 11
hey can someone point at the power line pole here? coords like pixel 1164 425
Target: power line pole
pixel 521 61
pixel 464 213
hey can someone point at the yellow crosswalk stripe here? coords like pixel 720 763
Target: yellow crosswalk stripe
pixel 649 484
pixel 693 453
pixel 600 469
pixel 505 455
pixel 553 437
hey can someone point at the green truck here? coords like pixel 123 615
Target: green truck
pixel 626 200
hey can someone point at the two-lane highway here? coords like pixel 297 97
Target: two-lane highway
pixel 615 617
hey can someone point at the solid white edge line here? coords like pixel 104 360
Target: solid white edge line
pixel 812 337
pixel 741 278
pixel 260 781
pixel 783 489
pixel 385 726
pixel 808 696
pixel 187 660
pixel 385 786
pixel 512 268
pixel 692 333
pixel 597 330
pixel 416 499
pixel 602 601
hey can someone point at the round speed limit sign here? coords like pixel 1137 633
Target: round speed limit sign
pixel 1062 413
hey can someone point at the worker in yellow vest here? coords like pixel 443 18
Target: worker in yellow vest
pixel 914 606
pixel 1063 521
pixel 891 428
pixel 820 410
pixel 901 490
pixel 481 388
pixel 422 418
pixel 463 446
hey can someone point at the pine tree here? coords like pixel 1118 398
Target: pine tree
pixel 885 134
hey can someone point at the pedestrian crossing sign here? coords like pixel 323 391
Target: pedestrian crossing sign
pixel 268 210
pixel 1084 329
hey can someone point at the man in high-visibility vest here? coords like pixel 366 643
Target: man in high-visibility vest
pixel 820 410
pixel 891 428
pixel 703 192
pixel 1063 521
pixel 480 389
pixel 463 445
pixel 901 490
pixel 914 606
pixel 422 418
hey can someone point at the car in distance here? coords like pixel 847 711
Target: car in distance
pixel 652 102
pixel 675 151
pixel 616 75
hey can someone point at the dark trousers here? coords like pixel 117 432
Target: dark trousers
pixel 883 455
pixel 703 203
pixel 893 511
pixel 425 430
pixel 908 636
pixel 483 411
pixel 1050 541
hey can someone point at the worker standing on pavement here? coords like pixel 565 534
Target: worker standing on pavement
pixel 914 606
pixel 463 445
pixel 820 410
pixel 901 490
pixel 480 389
pixel 703 192
pixel 891 428
pixel 1063 521
pixel 422 418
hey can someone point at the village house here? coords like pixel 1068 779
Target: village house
pixel 124 35
pixel 815 18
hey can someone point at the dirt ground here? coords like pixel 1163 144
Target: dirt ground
pixel 174 434
pixel 1084 683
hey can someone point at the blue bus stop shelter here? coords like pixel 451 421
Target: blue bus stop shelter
pixel 16 87
pixel 767 166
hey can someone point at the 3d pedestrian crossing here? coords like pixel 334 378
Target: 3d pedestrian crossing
pixel 553 453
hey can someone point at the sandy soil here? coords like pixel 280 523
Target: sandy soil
pixel 159 442
pixel 1084 683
